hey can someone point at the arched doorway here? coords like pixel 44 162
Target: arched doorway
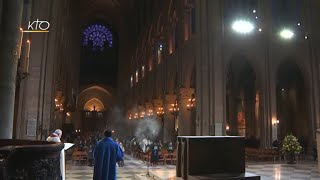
pixel 292 106
pixel 241 95
pixel 93 115
pixel 95 104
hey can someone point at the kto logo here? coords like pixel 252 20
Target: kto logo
pixel 38 26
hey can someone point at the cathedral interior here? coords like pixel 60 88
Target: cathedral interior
pixel 158 69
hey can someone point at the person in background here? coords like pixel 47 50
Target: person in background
pixel 154 154
pixel 91 150
pixel 55 137
pixel 170 147
pixel 106 155
pixel 121 162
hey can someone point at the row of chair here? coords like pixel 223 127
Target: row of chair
pixel 267 155
pixel 164 157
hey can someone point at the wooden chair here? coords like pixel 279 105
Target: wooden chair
pixel 79 157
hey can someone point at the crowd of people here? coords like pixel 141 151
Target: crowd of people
pixel 87 142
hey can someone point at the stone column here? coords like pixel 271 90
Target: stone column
pixel 203 115
pixel 168 118
pixel 268 93
pixel 314 54
pixel 11 21
pixel 216 73
pixel 184 114
pixel 318 146
pixel 158 103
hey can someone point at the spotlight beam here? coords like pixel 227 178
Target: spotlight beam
pixel 242 26
pixel 286 34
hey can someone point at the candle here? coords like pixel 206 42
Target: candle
pixel 27 57
pixel 20 42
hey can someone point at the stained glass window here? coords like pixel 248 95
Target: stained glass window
pixel 137 75
pixel 142 71
pixel 98 36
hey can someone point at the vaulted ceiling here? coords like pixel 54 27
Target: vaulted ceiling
pixel 110 11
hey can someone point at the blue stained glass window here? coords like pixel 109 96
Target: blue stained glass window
pixel 98 35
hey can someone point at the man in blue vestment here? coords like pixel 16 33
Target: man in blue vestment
pixel 106 155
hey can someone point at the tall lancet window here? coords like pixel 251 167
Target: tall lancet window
pixel 137 75
pixel 131 81
pixel 97 37
pixel 142 71
pixel 159 53
pixel 170 43
pixel 150 63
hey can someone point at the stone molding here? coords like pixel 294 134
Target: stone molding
pixel 149 105
pixel 157 103
pixel 186 93
pixel 170 99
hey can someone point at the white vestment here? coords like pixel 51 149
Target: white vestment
pixel 62 157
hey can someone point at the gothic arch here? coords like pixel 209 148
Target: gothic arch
pixel 293 102
pixel 241 92
pixel 96 92
pixel 94 104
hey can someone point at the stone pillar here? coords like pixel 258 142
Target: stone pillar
pixel 216 74
pixel 314 53
pixel 158 103
pixel 11 21
pixel 318 146
pixel 168 118
pixel 268 93
pixel 184 114
pixel 203 96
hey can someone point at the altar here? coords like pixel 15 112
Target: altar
pixel 212 157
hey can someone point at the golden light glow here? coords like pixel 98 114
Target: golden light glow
pixel 160 111
pixel 150 112
pixel 174 107
pixel 191 102
pixel 136 116
pixel 94 104
pixel 142 114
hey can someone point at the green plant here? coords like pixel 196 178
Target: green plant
pixel 291 145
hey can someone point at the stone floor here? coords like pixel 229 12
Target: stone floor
pixel 135 169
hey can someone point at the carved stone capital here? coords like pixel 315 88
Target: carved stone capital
pixel 170 98
pixel 186 93
pixel 134 110
pixel 149 105
pixel 140 108
pixel 157 103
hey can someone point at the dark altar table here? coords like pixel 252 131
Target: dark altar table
pixel 29 160
pixel 211 157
